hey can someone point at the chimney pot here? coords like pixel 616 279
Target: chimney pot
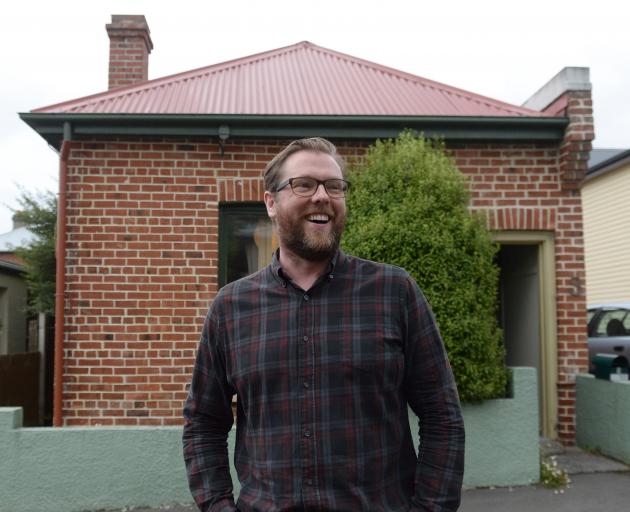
pixel 129 47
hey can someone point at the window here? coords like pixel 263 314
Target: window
pixel 614 322
pixel 246 240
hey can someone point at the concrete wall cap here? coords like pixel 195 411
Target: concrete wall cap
pixel 568 79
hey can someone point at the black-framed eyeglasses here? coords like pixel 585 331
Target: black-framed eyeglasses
pixel 305 186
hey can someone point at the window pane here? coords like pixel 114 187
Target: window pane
pixel 611 323
pixel 246 241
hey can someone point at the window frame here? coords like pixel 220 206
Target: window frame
pixel 226 210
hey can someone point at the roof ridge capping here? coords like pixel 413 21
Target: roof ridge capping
pixel 567 79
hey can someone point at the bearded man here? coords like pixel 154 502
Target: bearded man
pixel 325 353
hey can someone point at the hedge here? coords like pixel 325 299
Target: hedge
pixel 408 206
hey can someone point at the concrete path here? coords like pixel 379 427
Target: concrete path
pixel 597 484
pixel 588 492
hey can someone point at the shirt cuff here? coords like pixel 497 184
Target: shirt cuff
pixel 226 505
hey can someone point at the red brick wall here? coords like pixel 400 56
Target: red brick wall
pixel 142 259
pixel 522 188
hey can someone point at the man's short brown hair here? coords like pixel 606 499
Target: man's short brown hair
pixel 271 174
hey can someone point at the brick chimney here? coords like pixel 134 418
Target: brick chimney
pixel 129 47
pixel 568 94
pixel 18 220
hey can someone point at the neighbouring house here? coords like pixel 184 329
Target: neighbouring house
pixel 25 364
pixel 14 336
pixel 161 204
pixel 13 295
pixel 605 200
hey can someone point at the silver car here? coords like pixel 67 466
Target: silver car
pixel 608 330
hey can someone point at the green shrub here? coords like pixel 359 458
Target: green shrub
pixel 408 207
pixel 38 212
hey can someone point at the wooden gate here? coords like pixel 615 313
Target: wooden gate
pixel 19 384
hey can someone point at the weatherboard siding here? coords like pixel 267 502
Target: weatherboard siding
pixel 606 202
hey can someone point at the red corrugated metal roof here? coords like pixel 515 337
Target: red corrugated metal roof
pixel 302 79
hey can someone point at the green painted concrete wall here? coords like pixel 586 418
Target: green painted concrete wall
pixel 76 469
pixel 602 412
pixel 502 438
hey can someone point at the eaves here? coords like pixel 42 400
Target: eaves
pixel 54 128
pixel 13 267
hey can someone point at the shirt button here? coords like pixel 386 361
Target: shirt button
pixel 306 297
pixel 330 276
pixel 307 433
pixel 309 481
pixel 305 385
pixel 305 338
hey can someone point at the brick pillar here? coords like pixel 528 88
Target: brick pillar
pixel 129 47
pixel 570 269
pixel 568 94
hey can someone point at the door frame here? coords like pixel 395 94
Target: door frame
pixel 548 325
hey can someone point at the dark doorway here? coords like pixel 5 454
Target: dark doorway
pixel 519 312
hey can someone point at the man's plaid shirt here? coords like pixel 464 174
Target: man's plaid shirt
pixel 323 379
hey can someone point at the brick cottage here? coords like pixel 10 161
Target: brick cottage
pixel 161 203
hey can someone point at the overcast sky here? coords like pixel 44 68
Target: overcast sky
pixel 56 51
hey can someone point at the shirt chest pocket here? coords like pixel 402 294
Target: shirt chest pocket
pixel 375 359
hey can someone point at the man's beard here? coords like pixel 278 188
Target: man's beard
pixel 313 246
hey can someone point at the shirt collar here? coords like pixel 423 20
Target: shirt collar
pixel 335 264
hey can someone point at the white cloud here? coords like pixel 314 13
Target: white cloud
pixel 36 173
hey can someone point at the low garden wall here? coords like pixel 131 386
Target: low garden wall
pixel 502 436
pixel 602 411
pixel 90 468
